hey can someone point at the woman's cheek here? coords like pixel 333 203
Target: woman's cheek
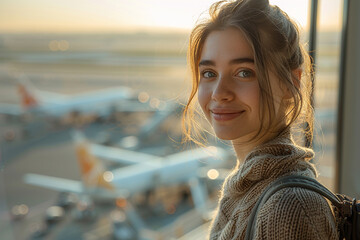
pixel 204 97
pixel 254 94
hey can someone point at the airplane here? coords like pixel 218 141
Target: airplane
pixel 141 172
pixel 50 104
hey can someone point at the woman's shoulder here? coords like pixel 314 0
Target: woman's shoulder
pixel 297 212
pixel 292 198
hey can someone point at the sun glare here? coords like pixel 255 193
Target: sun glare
pixel 126 15
pixel 296 9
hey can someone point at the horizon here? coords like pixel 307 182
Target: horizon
pixel 139 31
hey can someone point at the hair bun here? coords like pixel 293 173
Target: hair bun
pixel 259 4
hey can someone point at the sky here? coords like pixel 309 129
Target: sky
pixel 132 15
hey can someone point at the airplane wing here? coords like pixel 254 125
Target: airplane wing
pixel 54 183
pixel 72 186
pixel 121 155
pixel 175 168
pixel 212 155
pixel 209 155
pixel 154 122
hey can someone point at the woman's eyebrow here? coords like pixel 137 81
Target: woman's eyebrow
pixel 242 60
pixel 233 61
pixel 206 63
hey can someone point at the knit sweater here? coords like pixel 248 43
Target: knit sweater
pixel 291 213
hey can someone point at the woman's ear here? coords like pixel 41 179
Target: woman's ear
pixel 296 77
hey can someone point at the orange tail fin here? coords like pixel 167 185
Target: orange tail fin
pixel 92 170
pixel 27 99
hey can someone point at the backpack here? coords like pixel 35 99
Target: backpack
pixel 347 210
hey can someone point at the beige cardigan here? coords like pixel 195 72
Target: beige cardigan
pixel 291 213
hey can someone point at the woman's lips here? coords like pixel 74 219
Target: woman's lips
pixel 226 115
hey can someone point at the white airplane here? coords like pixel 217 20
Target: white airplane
pixel 101 102
pixel 142 172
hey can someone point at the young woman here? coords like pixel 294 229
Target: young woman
pixel 251 78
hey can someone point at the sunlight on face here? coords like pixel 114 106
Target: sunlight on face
pixel 228 89
pixel 229 92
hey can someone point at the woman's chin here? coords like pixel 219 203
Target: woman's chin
pixel 237 137
pixel 228 137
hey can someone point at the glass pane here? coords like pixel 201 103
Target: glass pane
pixel 67 49
pixel 298 10
pixel 326 87
pixel 326 78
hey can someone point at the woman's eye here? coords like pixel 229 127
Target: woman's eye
pixel 245 74
pixel 208 74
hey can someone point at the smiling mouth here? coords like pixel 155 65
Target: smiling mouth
pixel 226 116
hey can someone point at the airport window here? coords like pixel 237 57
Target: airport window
pixel 327 67
pixel 90 92
pixel 326 52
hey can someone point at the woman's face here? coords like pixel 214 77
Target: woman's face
pixel 228 89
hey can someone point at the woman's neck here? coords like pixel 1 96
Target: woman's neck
pixel 243 146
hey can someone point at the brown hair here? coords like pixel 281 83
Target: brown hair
pixel 274 38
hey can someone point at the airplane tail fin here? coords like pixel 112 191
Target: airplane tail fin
pixel 92 170
pixel 28 98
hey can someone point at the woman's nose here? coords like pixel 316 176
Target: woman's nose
pixel 223 90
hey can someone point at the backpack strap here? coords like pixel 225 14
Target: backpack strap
pixel 293 181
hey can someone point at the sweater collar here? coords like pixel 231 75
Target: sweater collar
pixel 277 157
